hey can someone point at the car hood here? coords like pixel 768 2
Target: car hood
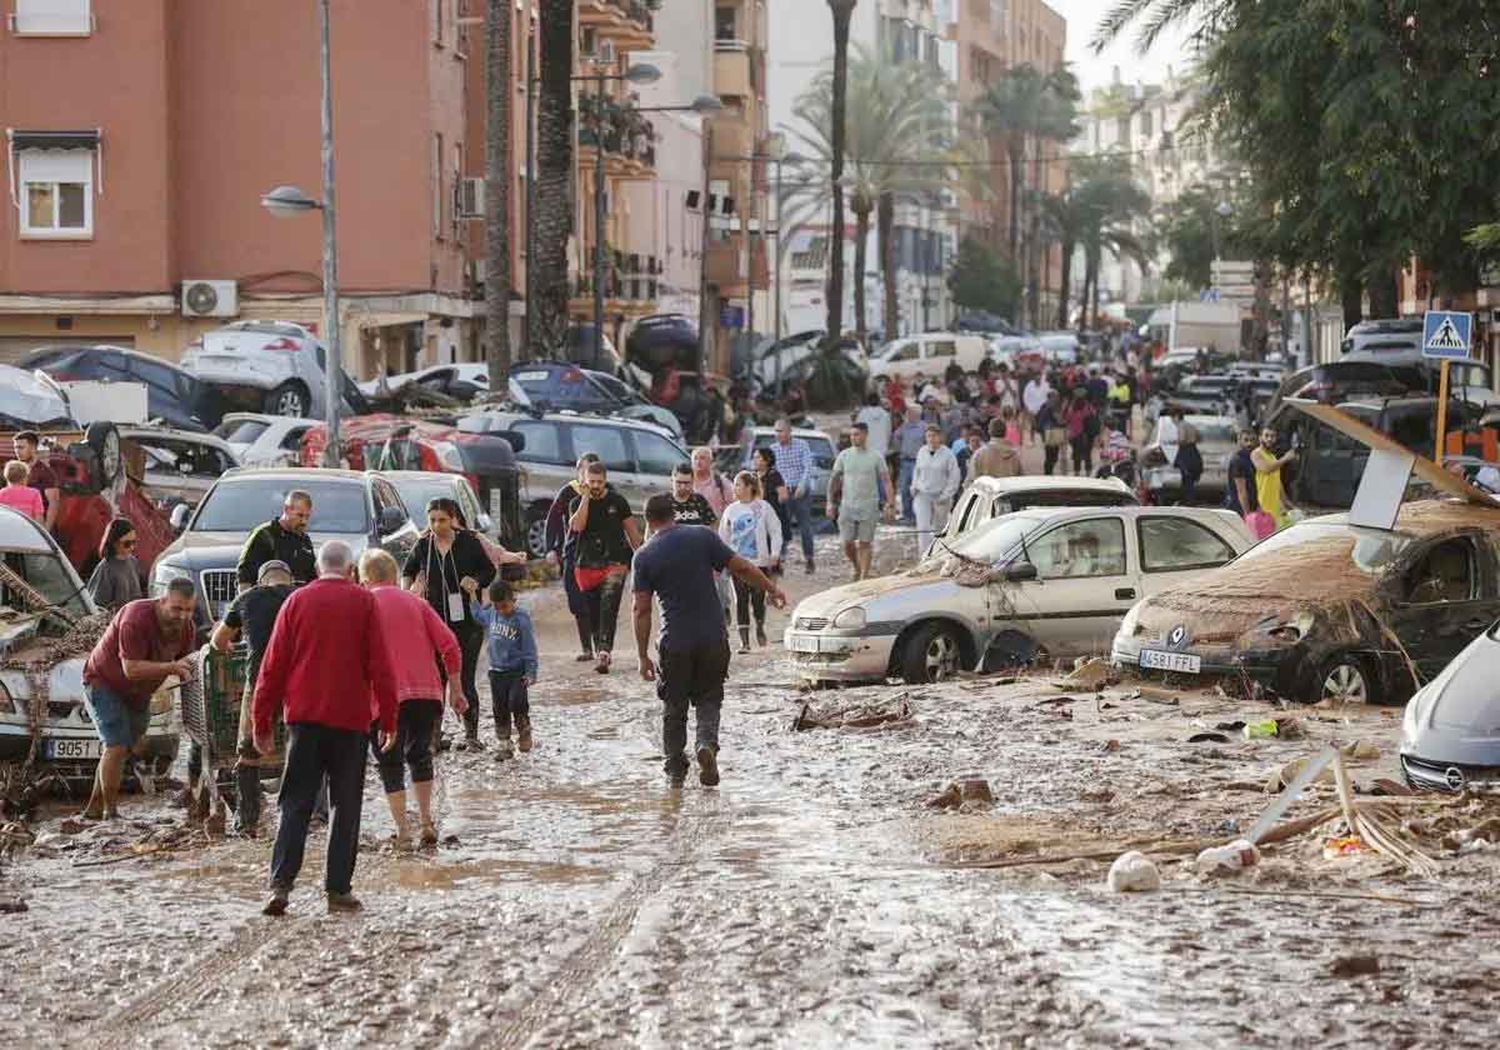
pixel 907 589
pixel 1456 717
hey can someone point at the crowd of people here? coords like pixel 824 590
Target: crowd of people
pixel 351 657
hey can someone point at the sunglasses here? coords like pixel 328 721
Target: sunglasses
pixel 128 545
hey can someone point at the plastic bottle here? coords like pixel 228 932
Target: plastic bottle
pixel 1238 855
pixel 1262 730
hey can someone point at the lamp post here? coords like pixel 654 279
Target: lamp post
pixel 287 201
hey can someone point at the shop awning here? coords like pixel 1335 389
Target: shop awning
pixel 20 139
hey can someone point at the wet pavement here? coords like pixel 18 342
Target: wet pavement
pixel 814 899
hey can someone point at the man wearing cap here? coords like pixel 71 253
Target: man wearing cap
pixel 251 616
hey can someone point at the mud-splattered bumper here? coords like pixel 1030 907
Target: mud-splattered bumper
pixel 821 655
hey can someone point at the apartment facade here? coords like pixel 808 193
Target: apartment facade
pixel 139 174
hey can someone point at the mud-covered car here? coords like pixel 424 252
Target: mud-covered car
pixel 1329 610
pixel 48 624
pixel 1450 738
pixel 1021 589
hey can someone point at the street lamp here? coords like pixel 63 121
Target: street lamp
pixel 287 201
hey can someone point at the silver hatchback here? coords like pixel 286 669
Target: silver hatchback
pixel 269 366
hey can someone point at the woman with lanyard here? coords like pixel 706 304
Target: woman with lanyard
pixel 449 567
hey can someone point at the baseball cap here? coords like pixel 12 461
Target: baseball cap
pixel 275 565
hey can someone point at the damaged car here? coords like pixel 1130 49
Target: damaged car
pixel 1450 737
pixel 1330 610
pixel 48 625
pixel 1022 589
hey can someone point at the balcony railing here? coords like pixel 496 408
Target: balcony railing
pixel 628 278
pixel 624 131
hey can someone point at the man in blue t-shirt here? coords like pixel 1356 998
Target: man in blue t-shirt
pixel 1239 493
pixel 678 566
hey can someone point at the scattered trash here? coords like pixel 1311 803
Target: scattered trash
pixel 1262 730
pixel 858 716
pixel 1208 738
pixel 1238 855
pixel 1110 746
pixel 1089 675
pixel 1355 966
pixel 966 792
pixel 12 906
pixel 1230 727
pixel 1347 846
pixel 1134 872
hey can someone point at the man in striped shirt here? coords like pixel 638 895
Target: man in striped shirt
pixel 794 462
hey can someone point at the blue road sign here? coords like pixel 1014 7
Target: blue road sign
pixel 1446 334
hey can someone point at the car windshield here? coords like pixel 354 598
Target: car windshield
pixel 1070 498
pixel 1215 433
pixel 415 492
pixel 1371 550
pixel 240 504
pixel 240 431
pixel 51 576
pixel 989 544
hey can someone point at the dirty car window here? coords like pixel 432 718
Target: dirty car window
pixel 1371 550
pixel 242 505
pixel 1081 549
pixel 50 575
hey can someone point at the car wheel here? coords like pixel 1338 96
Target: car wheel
pixel 104 439
pixel 1346 680
pixel 289 399
pixel 932 654
pixel 536 533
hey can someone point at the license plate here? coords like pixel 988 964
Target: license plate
pixel 1183 663
pixel 803 643
pixel 71 749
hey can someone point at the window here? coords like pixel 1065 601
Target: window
pixel 904 352
pixel 656 455
pixel 946 348
pixel 53 18
pixel 437 187
pixel 438 20
pixel 293 440
pixel 386 496
pixel 607 443
pixel 240 431
pixel 724 24
pixel 56 193
pixel 1446 574
pixel 1175 544
pixel 1081 549
pixel 543 442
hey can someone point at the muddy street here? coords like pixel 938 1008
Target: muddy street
pixel 814 899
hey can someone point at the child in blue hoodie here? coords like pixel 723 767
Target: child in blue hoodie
pixel 513 665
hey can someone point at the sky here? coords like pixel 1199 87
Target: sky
pixel 1096 70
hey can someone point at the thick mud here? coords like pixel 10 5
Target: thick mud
pixel 814 899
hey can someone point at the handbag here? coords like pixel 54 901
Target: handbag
pixel 1055 437
pixel 1261 524
pixel 590 579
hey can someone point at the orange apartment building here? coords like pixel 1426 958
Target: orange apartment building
pixel 141 135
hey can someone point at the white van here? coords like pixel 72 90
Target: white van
pixel 930 354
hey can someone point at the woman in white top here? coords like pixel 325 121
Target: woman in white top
pixel 751 529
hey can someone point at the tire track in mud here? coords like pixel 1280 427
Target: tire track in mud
pixel 127 1026
pixel 567 986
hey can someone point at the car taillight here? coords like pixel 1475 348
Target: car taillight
pixel 572 375
pixel 282 344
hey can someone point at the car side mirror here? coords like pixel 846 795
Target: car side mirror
pixel 391 519
pixel 180 516
pixel 484 522
pixel 1020 572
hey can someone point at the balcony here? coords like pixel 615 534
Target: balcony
pixel 732 69
pixel 629 138
pixel 631 24
pixel 631 284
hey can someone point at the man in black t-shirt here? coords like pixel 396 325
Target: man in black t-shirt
pixel 607 539
pixel 1240 495
pixel 282 539
pixel 252 616
pixel 689 507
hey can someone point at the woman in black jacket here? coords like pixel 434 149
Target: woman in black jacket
pixel 450 567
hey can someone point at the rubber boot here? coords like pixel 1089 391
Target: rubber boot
pixel 523 732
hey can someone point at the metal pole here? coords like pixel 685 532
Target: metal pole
pixel 530 189
pixel 751 220
pixel 780 246
pixel 703 321
pixel 599 225
pixel 333 337
pixel 1440 430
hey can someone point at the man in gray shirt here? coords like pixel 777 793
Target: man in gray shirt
pixel 859 479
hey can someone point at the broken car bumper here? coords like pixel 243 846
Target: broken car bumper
pixel 839 657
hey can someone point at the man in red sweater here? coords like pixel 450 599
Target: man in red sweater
pixel 327 667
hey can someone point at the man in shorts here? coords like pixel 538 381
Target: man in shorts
pixel 147 642
pixel 857 489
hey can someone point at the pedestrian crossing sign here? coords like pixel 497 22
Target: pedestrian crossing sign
pixel 1446 334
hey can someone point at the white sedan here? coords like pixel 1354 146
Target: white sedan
pixel 261 440
pixel 1024 588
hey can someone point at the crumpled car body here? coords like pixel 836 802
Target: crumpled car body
pixel 1329 610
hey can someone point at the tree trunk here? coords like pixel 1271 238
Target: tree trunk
pixel 554 218
pixel 499 93
pixel 1093 256
pixel 1385 300
pixel 1351 298
pixel 1016 162
pixel 843 11
pixel 861 210
pixel 1260 312
pixel 885 224
pixel 1036 254
pixel 1065 287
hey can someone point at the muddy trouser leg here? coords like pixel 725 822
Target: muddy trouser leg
pixel 673 678
pixel 1050 454
pixel 577 606
pixel 300 782
pixel 508 695
pixel 758 605
pixel 388 763
pixel 470 641
pixel 195 763
pixel 247 787
pixel 609 592
pixel 344 752
pixel 802 512
pixel 593 614
pixel 710 668
pixel 742 593
pixel 417 721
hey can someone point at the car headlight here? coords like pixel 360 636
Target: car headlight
pixel 449 456
pixel 163 574
pixel 850 619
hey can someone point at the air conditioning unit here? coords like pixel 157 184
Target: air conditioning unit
pixel 210 299
pixel 471 198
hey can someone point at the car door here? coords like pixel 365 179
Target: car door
pixel 400 542
pixel 547 462
pixel 612 446
pixel 1443 600
pixel 655 458
pixel 1175 549
pixel 1085 582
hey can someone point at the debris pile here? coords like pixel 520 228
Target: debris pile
pixel 868 714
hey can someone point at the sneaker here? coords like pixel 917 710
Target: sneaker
pixel 708 767
pixel 276 905
pixel 523 735
pixel 584 658
pixel 811 568
pixel 345 902
pixel 473 743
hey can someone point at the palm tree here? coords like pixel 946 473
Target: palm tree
pixel 1099 212
pixel 843 12
pixel 554 174
pixel 499 92
pixel 896 135
pixel 1154 18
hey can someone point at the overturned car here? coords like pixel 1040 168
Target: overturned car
pixel 1330 610
pixel 48 624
